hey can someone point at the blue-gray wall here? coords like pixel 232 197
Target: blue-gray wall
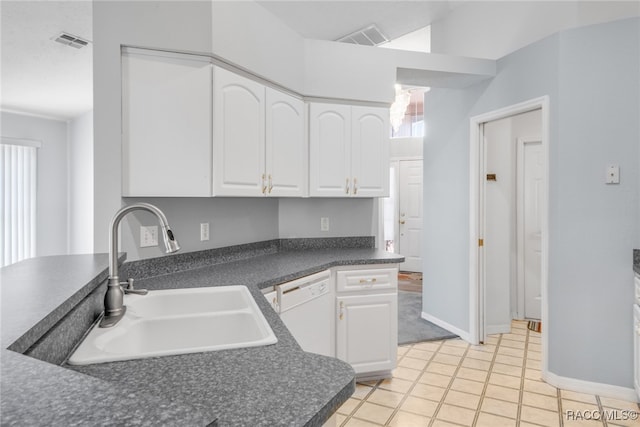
pixel 592 76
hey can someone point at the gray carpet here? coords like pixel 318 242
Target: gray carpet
pixel 411 327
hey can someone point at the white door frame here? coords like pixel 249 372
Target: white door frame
pixel 477 170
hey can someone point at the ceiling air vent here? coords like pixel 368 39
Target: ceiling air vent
pixel 71 40
pixel 369 36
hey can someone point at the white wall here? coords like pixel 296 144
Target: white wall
pixel 591 76
pixel 405 147
pixel 347 217
pixel 80 137
pixel 493 29
pixel 52 196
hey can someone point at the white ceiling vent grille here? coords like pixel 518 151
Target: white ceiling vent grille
pixel 71 40
pixel 369 36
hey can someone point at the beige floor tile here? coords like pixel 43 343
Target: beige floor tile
pixel 441 423
pixel 510 351
pixel 505 380
pixel 426 391
pixel 401 351
pixel 502 393
pixel 490 420
pixel 519 324
pixel 540 416
pixel 441 368
pixel 447 359
pixel 534 355
pixel 465 400
pixel 432 378
pixel 499 407
pixel 419 354
pixel 406 373
pixel 509 360
pixel 534 364
pixel 386 398
pixel 535 339
pixel 486 347
pixel 371 383
pixel 501 368
pixel 622 420
pixel 467 386
pixel 340 419
pixel 472 374
pixel 373 413
pixel 457 342
pixel 583 423
pixel 532 346
pixel 396 384
pixel 481 355
pixel 580 397
pixel 540 401
pixel 410 362
pixel 456 415
pixel 348 406
pixel 453 350
pixel 518 345
pixel 533 374
pixel 540 387
pixel 619 404
pixel 573 406
pixel 513 337
pixel 432 346
pixel 361 391
pixel 407 419
pixel 419 406
pixel 518 331
pixel 355 422
pixel 492 339
pixel 476 364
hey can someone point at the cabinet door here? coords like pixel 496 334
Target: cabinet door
pixel 286 145
pixel 238 135
pixel 330 150
pixel 166 123
pixel 367 331
pixel 370 151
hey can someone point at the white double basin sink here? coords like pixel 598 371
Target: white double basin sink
pixel 178 321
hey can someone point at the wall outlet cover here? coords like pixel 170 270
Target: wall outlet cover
pixel 324 224
pixel 204 231
pixel 148 236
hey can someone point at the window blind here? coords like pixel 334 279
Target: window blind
pixel 18 160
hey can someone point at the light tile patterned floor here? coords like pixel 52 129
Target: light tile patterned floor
pixel 451 383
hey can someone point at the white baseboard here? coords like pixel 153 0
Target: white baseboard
pixel 449 327
pixel 498 329
pixel 581 386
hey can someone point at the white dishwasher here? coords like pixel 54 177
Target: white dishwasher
pixel 307 309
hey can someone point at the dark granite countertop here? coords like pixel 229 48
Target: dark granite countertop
pixel 270 385
pixel 636 261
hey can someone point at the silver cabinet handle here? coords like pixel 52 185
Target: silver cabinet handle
pixel 264 186
pixel 270 184
pixel 347 186
pixel 355 186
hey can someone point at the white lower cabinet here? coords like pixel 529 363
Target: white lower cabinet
pixel 636 347
pixel 367 319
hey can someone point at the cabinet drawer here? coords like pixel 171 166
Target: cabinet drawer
pixel 366 279
pixel 636 282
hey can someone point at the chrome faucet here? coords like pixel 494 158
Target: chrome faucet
pixel 114 307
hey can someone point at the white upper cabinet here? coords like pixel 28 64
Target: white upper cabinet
pixel 370 151
pixel 239 135
pixel 349 151
pixel 286 146
pixel 166 106
pixel 330 150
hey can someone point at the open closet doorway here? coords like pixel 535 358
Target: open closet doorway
pixel 509 219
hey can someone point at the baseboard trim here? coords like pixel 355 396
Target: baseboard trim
pixel 498 329
pixel 581 386
pixel 449 327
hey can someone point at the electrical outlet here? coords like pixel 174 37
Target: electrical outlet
pixel 324 224
pixel 204 231
pixel 148 236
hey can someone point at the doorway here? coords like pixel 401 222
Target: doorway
pixel 403 213
pixel 509 219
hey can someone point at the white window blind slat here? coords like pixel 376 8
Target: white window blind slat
pixel 18 199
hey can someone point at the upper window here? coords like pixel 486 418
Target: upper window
pixel 407 112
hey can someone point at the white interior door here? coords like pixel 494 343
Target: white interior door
pixel 530 186
pixel 410 215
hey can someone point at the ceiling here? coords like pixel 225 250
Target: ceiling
pixel 44 78
pixel 331 20
pixel 39 76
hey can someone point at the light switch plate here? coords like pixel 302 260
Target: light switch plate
pixel 148 236
pixel 204 231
